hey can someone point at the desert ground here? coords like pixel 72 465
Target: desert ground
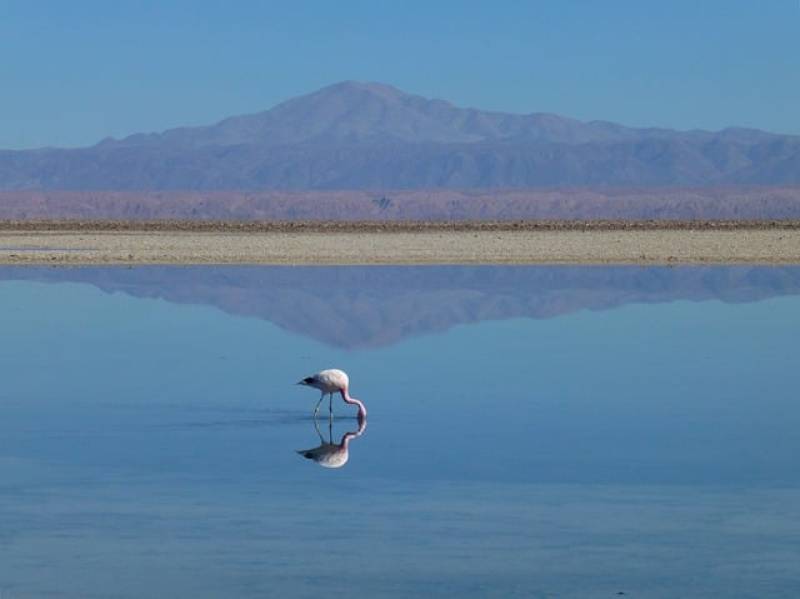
pixel 178 242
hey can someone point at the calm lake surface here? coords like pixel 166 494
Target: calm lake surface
pixel 532 432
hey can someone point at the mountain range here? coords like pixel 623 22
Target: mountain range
pixel 357 136
pixel 371 306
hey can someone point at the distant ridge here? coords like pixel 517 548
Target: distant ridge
pixel 688 204
pixel 354 135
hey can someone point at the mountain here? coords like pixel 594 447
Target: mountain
pixel 371 306
pixel 373 136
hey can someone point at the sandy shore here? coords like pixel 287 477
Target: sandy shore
pixel 353 243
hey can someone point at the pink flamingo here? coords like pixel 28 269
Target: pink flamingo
pixel 328 454
pixel 333 381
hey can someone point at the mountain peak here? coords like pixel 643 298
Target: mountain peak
pixel 368 112
pixel 371 87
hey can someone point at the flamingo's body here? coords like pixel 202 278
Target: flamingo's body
pixel 332 381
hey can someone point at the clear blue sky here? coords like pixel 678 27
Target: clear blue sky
pixel 75 72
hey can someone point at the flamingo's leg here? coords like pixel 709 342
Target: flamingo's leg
pixel 316 427
pixel 316 410
pixel 330 404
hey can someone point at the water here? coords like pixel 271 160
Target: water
pixel 545 432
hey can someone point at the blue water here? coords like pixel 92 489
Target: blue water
pixel 532 431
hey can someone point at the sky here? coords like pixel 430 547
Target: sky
pixel 74 73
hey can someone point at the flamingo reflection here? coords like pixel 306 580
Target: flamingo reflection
pixel 328 454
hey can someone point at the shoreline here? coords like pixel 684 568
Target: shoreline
pixel 330 243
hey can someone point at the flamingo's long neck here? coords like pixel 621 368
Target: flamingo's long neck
pixel 362 409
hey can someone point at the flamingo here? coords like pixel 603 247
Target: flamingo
pixel 329 455
pixel 333 381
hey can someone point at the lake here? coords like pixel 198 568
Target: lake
pixel 532 432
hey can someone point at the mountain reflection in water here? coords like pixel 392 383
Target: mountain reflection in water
pixel 355 307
